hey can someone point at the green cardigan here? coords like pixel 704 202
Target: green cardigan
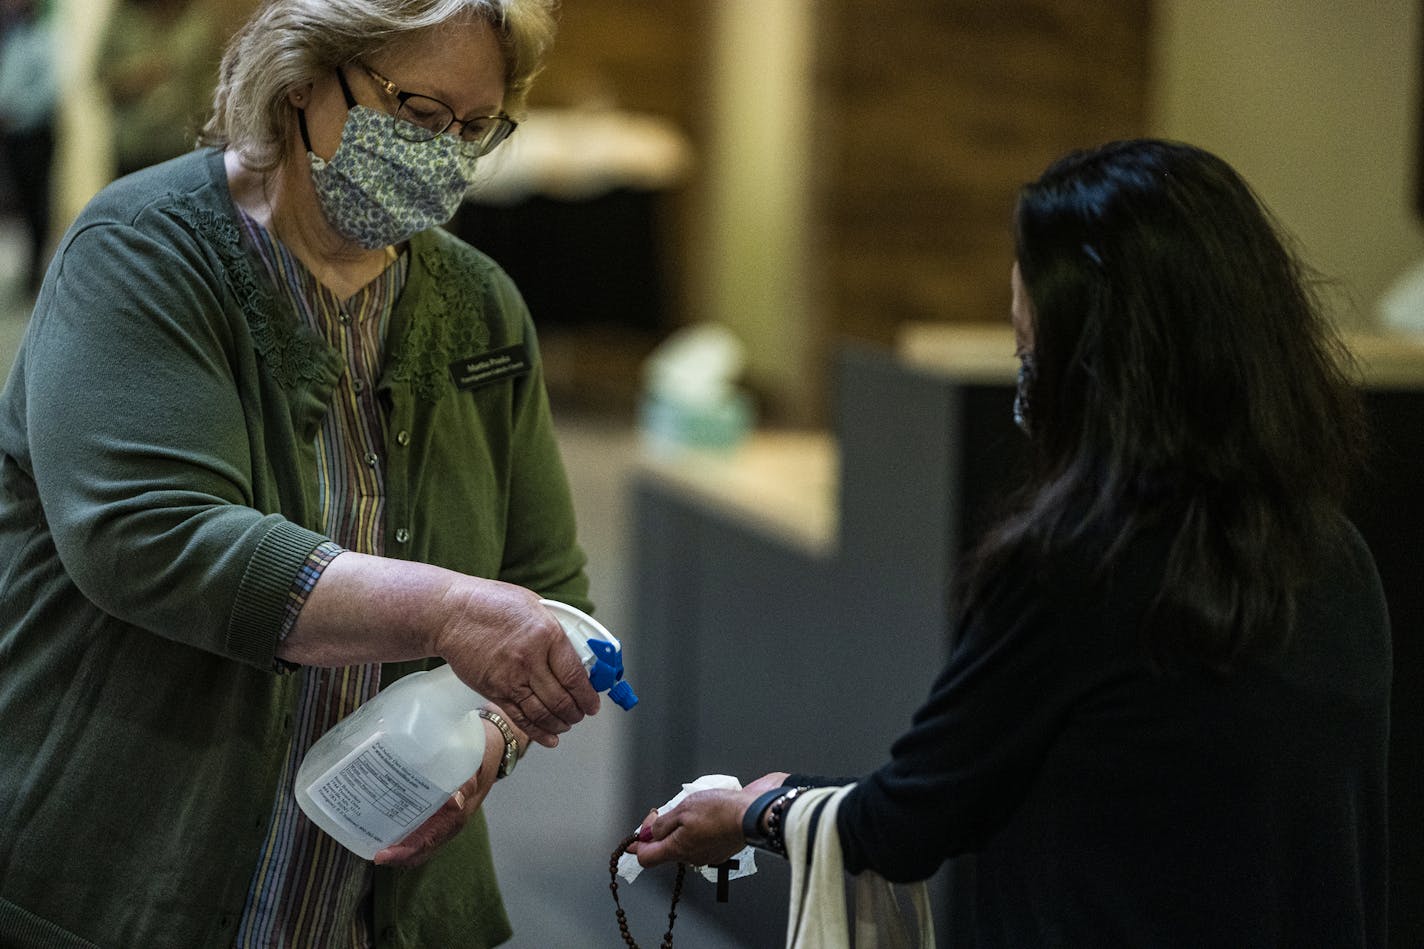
pixel 157 493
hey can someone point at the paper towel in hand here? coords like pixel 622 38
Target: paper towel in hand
pixel 628 866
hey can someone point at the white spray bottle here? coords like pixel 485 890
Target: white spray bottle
pixel 386 767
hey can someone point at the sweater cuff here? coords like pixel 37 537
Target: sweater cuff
pixel 264 595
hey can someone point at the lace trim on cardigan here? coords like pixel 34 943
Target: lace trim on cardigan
pixel 453 326
pixel 292 356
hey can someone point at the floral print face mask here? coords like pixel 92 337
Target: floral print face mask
pixel 379 189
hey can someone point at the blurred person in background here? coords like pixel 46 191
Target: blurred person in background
pixel 158 64
pixel 28 92
pixel 1164 721
pixel 245 481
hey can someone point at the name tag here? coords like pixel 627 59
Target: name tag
pixel 493 366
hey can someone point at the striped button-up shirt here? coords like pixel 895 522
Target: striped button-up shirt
pixel 307 889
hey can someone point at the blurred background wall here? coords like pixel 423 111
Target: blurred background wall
pixel 85 158
pixel 856 164
pixel 853 165
pixel 1317 103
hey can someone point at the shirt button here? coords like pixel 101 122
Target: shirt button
pixel 344 319
pixel 402 535
pixel 372 458
pixel 358 385
pixel 402 438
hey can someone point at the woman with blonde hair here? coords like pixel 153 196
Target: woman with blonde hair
pixel 247 478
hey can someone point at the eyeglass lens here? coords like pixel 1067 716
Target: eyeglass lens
pixel 423 118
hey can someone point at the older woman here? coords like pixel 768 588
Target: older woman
pixel 272 440
pixel 1164 722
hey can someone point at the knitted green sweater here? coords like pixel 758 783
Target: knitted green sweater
pixel 156 501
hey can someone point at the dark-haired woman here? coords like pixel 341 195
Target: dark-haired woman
pixel 1165 719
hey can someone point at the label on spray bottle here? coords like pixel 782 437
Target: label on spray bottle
pixel 375 793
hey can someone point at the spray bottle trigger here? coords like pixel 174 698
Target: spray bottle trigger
pixel 607 673
pixel 607 664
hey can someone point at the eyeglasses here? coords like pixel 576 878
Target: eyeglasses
pixel 422 118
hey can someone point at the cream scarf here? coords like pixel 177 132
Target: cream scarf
pixel 817 917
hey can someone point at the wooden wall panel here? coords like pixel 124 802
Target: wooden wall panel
pixel 930 115
pixel 635 54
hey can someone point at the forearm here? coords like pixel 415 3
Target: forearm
pixel 497 637
pixel 376 609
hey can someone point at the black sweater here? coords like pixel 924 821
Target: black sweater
pixel 1111 806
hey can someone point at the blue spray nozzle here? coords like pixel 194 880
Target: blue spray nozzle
pixel 607 673
pixel 622 695
pixel 599 650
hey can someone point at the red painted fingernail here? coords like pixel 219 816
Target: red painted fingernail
pixel 645 834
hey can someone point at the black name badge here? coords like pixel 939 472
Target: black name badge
pixel 475 371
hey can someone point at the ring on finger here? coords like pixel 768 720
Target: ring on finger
pixel 460 799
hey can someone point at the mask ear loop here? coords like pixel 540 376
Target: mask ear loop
pixel 345 89
pixel 302 111
pixel 302 126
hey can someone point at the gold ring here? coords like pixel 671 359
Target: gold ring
pixel 460 799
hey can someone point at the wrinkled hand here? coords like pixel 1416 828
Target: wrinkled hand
pixel 506 646
pixel 705 829
pixel 453 815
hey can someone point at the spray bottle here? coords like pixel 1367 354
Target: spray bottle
pixel 385 768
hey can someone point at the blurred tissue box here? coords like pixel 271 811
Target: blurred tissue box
pixel 690 394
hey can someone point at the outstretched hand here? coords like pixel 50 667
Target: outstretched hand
pixel 511 649
pixel 705 829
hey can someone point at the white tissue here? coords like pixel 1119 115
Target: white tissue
pixel 628 866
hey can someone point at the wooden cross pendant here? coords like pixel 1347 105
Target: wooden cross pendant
pixel 722 880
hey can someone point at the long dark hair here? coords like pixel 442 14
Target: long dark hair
pixel 1184 376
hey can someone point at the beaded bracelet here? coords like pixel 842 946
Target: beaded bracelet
pixel 775 820
pixel 775 823
pixel 751 817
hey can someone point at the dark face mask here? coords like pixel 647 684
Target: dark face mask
pixel 1026 371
